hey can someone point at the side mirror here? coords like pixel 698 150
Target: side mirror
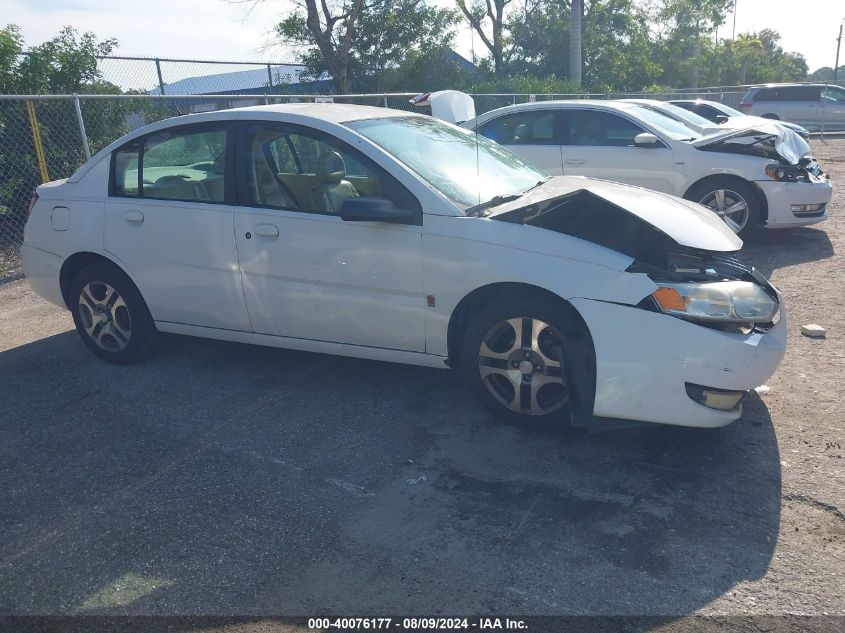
pixel 720 118
pixel 376 210
pixel 648 140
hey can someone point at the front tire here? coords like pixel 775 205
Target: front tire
pixel 734 201
pixel 512 356
pixel 110 314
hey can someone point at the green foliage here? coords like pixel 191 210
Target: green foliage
pixel 65 64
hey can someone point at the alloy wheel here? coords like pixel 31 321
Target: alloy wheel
pixel 728 205
pixel 520 362
pixel 104 316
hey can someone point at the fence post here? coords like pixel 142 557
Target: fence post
pixel 36 139
pixel 81 124
pixel 269 76
pixel 266 99
pixel 160 80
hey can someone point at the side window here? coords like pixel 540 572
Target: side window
pixel 832 93
pixel 708 112
pixel 181 164
pixel 300 169
pixel 535 127
pixel 801 93
pixel 593 127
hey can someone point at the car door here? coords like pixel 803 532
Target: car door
pixel 307 273
pixel 169 221
pixel 833 100
pixel 600 144
pixel 533 134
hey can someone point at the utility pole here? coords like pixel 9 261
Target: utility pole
pixel 733 33
pixel 838 44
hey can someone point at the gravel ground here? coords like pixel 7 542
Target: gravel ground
pixel 227 479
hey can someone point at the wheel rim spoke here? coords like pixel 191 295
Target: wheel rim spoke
pixel 719 196
pixel 516 376
pixel 106 321
pixel 737 207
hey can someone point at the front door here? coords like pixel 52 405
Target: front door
pixel 600 144
pixel 307 273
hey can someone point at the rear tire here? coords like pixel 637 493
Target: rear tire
pixel 735 201
pixel 512 357
pixel 769 115
pixel 110 314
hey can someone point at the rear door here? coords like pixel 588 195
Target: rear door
pixel 169 221
pixel 600 144
pixel 533 134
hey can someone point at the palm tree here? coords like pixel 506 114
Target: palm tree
pixel 575 17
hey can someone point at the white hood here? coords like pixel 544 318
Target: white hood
pixel 686 223
pixel 452 106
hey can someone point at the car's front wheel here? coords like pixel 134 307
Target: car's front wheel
pixel 512 355
pixel 733 200
pixel 110 314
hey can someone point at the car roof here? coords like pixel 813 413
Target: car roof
pixel 552 103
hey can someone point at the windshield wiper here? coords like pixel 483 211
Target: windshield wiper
pixel 495 201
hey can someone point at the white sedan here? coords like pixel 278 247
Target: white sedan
pixel 751 177
pixel 393 236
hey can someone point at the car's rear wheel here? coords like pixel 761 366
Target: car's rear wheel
pixel 770 115
pixel 512 354
pixel 110 314
pixel 734 201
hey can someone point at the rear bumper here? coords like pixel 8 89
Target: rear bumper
pixel 644 360
pixel 781 196
pixel 42 271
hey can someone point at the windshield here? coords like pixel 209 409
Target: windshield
pixel 727 110
pixel 468 169
pixel 677 112
pixel 665 124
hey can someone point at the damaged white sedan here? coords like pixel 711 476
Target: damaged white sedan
pixel 392 236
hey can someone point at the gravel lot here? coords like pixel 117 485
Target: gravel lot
pixel 226 479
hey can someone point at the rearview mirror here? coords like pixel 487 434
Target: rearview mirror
pixel 367 209
pixel 646 139
pixel 720 118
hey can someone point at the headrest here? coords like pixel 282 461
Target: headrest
pixel 330 167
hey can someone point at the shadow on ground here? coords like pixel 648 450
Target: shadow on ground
pixel 771 250
pixel 227 479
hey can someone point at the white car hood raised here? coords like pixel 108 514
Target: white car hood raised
pixel 686 223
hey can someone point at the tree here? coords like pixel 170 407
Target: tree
pixel 477 15
pixel 576 15
pixel 363 45
pixel 331 29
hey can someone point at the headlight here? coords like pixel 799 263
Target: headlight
pixel 785 173
pixel 728 301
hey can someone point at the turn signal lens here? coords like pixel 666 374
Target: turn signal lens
pixel 670 299
pixel 775 172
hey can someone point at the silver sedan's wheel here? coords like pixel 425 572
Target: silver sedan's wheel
pixel 104 316
pixel 520 363
pixel 728 205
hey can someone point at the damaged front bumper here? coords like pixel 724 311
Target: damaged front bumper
pixel 645 360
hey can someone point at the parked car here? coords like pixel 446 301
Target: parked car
pixel 808 105
pixel 726 116
pixel 751 178
pixel 393 236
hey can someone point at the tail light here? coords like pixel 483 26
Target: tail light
pixel 32 202
pixel 744 106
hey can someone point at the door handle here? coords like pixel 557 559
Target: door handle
pixel 267 230
pixel 134 216
pixel 575 161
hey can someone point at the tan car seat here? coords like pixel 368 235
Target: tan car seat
pixel 332 188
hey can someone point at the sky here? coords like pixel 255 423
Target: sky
pixel 232 30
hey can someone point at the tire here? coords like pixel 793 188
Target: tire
pixel 722 194
pixel 110 314
pixel 773 117
pixel 509 354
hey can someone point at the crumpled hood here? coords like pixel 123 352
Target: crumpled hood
pixel 767 140
pixel 614 215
